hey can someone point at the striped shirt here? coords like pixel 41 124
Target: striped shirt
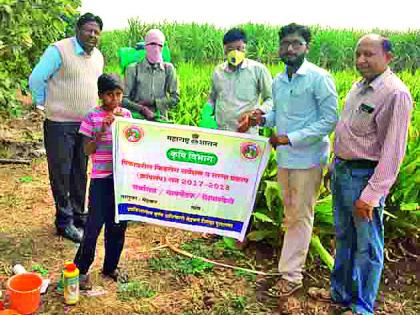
pixel 102 158
pixel 374 126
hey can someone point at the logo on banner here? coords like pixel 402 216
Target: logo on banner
pixel 133 133
pixel 250 150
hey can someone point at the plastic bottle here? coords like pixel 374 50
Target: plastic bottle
pixel 207 117
pixel 70 283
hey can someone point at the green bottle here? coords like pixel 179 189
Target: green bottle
pixel 207 119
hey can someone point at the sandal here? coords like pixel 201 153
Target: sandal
pixel 319 294
pixel 284 288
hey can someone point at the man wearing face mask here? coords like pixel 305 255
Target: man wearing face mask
pixel 63 85
pixel 239 85
pixel 151 86
pixel 304 113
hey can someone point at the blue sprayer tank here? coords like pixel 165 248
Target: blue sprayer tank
pixel 129 55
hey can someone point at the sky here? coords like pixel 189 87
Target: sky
pixel 358 14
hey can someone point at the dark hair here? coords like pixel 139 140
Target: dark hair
pixel 233 35
pixel 386 44
pixel 109 82
pixel 295 28
pixel 89 17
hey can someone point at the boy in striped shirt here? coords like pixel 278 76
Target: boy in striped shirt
pixel 96 128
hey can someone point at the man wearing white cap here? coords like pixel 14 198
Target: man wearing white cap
pixel 151 86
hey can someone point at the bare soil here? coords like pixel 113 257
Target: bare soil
pixel 27 236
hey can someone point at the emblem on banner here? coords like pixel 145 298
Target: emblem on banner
pixel 250 150
pixel 133 133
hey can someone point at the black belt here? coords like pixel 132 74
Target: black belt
pixel 358 163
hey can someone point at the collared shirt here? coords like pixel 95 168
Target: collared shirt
pixel 155 83
pixel 102 158
pixel 235 92
pixel 305 109
pixel 46 68
pixel 374 126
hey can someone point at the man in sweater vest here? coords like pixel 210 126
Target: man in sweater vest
pixel 63 85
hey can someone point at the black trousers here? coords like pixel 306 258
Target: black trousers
pixel 67 165
pixel 101 211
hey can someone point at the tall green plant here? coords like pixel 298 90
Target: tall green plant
pixel 403 217
pixel 330 48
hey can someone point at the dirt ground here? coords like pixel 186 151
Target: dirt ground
pixel 162 281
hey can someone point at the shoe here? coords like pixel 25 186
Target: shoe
pixel 84 282
pixel 117 275
pixel 284 288
pixel 71 232
pixel 319 294
pixel 80 220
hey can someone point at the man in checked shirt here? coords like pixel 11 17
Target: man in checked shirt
pixel 370 142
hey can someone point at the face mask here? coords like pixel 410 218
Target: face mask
pixel 235 57
pixel 154 53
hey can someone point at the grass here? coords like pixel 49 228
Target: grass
pixel 179 264
pixel 134 290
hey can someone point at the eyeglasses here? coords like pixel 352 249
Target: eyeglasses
pixel 295 44
pixel 154 44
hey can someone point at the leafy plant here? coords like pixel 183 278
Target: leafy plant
pixel 134 290
pixel 40 269
pixel 224 248
pixel 180 264
pixel 250 277
pixel 26 179
pixel 268 215
pixel 27 28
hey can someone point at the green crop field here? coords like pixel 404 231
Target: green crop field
pixel 196 49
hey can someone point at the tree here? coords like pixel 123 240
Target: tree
pixel 27 28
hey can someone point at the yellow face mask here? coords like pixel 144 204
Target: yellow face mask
pixel 235 57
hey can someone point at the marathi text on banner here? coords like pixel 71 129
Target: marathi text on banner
pixel 197 179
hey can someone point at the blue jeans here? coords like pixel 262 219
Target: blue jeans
pixel 359 243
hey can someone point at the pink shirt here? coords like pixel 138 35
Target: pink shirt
pixel 374 126
pixel 102 158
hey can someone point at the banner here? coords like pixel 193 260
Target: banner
pixel 197 179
